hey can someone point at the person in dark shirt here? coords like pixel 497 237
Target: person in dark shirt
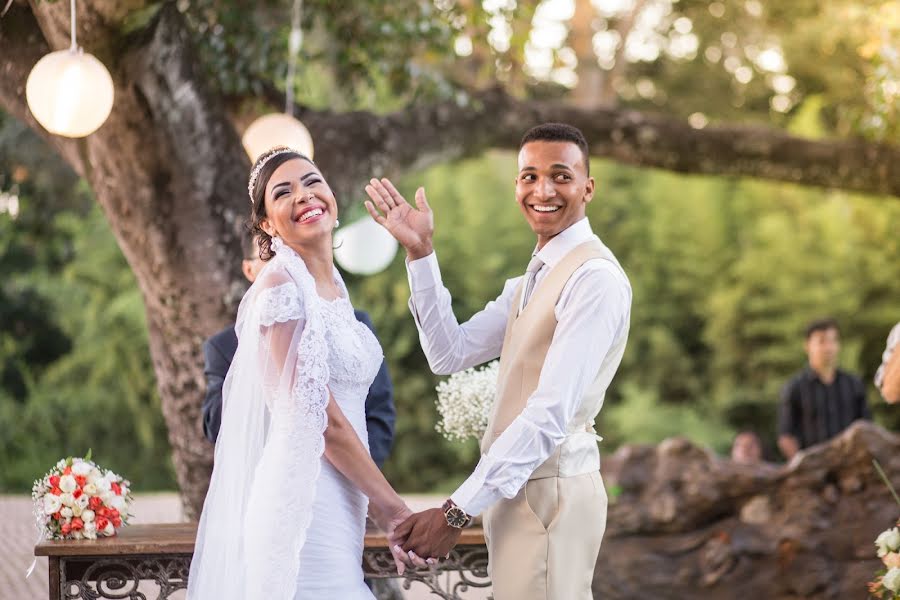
pixel 820 401
pixel 218 352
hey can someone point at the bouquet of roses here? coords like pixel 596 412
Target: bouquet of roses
pixel 464 402
pixel 79 500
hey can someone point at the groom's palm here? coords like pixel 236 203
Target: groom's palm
pixel 412 226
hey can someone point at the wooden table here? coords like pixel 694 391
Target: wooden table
pixel 114 567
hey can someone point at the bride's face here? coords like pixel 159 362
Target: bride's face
pixel 300 207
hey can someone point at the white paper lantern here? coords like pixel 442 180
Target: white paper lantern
pixel 365 247
pixel 276 129
pixel 70 93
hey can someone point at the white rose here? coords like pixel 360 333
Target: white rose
pixel 67 484
pixel 76 535
pixel 66 512
pixel 77 510
pixel 67 499
pixel 90 489
pixel 106 497
pixel 81 468
pixel 110 530
pixel 891 580
pixel 82 501
pixel 94 475
pixel 87 515
pixel 90 531
pixel 51 504
pixel 887 541
pixel 102 484
pixel 118 503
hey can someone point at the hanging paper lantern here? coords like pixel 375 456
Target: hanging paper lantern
pixel 276 129
pixel 70 93
pixel 364 248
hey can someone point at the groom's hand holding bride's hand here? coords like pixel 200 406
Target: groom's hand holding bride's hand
pixel 427 533
pixel 388 521
pixel 412 226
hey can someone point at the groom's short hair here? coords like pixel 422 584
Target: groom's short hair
pixel 559 132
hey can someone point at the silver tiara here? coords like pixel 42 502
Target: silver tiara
pixel 261 162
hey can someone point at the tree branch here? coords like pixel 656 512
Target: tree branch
pixel 359 145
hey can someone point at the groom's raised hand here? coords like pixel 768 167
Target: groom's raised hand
pixel 412 226
pixel 427 534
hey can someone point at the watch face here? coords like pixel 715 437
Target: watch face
pixel 456 517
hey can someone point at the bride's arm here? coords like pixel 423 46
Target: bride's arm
pixel 343 448
pixel 346 452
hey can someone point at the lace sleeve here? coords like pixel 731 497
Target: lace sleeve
pixel 268 455
pixel 279 304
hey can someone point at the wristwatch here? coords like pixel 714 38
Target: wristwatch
pixel 456 517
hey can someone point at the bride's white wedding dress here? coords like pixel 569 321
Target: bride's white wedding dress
pixel 279 521
pixel 331 559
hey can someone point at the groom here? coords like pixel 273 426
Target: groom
pixel 560 332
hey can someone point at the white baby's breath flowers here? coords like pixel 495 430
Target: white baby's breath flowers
pixel 465 401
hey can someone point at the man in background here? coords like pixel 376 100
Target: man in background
pixel 820 401
pixel 747 448
pixel 218 352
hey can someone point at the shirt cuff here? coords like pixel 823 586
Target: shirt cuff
pixel 465 496
pixel 423 273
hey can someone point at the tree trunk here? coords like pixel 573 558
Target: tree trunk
pixel 170 174
pixel 688 524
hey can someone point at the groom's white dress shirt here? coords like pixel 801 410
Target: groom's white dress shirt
pixel 593 315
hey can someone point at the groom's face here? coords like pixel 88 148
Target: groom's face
pixel 553 187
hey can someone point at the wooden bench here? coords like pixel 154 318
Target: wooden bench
pixel 114 567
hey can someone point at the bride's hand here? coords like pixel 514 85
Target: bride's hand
pixel 388 521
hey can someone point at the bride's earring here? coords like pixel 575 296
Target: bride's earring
pixel 337 223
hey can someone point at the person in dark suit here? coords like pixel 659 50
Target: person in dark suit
pixel 218 352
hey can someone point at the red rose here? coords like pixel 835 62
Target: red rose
pixel 77 493
pixel 95 503
pixel 80 480
pixel 116 488
pixel 56 491
pixel 113 513
pixel 66 528
pixel 117 522
pixel 54 481
pixel 102 522
pixel 56 516
pixel 77 524
pixel 67 471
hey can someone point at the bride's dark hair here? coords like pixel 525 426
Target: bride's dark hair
pixel 258 210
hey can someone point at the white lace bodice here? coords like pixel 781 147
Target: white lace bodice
pixel 354 355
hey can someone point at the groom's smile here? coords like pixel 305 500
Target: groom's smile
pixel 553 187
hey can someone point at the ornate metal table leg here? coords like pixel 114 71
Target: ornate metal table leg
pixel 468 562
pixel 120 577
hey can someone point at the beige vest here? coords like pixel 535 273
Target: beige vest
pixel 525 345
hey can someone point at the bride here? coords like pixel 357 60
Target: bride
pixel 285 514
